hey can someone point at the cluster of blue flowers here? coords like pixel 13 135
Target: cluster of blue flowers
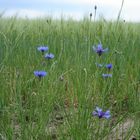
pixel 43 49
pixel 100 50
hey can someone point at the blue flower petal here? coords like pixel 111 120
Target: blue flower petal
pixel 99 50
pixel 106 75
pixel 43 48
pixel 109 66
pixel 49 56
pixel 40 73
pixel 100 114
pixel 107 114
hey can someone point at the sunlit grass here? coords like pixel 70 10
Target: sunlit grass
pixel 60 105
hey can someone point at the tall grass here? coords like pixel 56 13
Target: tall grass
pixel 60 106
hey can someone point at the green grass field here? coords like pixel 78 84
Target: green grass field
pixel 60 105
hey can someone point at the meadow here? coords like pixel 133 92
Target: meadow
pixel 62 104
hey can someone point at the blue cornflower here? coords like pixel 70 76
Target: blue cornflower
pixel 40 73
pixel 99 49
pixel 49 56
pixel 109 66
pixel 99 65
pixel 106 75
pixel 99 113
pixel 43 49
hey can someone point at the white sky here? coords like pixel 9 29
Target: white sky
pixel 74 8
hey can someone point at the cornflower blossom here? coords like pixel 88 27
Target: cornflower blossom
pixel 109 66
pixel 43 49
pixel 49 56
pixel 100 114
pixel 106 75
pixel 99 65
pixel 40 74
pixel 99 49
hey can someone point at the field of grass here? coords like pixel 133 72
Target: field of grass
pixel 60 105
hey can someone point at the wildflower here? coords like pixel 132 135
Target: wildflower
pixel 43 49
pixel 99 65
pixel 90 16
pixel 99 49
pixel 106 75
pixel 40 73
pixel 49 56
pixel 109 66
pixel 95 7
pixel 99 113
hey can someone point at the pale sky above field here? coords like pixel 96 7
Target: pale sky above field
pixel 73 8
